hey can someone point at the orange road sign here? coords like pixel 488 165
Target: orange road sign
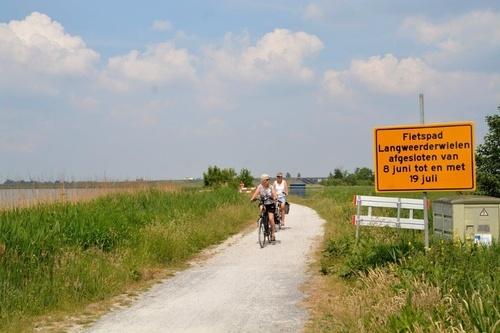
pixel 435 157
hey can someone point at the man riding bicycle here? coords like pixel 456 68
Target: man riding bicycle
pixel 268 196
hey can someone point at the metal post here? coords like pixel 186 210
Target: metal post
pixel 426 222
pixel 358 212
pixel 399 213
pixel 426 218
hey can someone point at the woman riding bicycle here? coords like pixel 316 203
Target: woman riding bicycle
pixel 267 198
pixel 281 187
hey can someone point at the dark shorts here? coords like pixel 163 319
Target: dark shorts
pixel 270 208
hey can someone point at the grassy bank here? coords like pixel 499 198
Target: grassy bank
pixel 60 257
pixel 387 283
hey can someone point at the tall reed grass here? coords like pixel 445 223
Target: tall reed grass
pixel 24 196
pixel 453 287
pixel 57 256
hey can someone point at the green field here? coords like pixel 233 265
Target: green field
pixel 388 283
pixel 56 259
pixel 61 257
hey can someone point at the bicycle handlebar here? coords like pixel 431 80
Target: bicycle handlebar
pixel 262 201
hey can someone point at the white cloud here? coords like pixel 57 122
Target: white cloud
pixel 162 25
pixel 41 45
pixel 334 84
pixel 240 68
pixel 160 64
pixel 278 54
pixel 389 75
pixel 386 74
pixel 467 37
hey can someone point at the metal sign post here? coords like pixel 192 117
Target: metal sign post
pixel 358 213
pixel 426 218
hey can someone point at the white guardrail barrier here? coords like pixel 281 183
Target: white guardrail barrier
pixel 384 221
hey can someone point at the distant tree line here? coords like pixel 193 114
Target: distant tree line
pixel 32 183
pixel 216 177
pixel 360 176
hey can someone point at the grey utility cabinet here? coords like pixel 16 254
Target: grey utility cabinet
pixel 467 218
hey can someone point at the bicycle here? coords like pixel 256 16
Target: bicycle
pixel 277 215
pixel 264 229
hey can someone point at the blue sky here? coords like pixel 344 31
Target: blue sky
pixel 163 89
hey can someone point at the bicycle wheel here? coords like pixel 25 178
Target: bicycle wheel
pixel 277 218
pixel 262 233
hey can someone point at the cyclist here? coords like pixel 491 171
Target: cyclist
pixel 267 197
pixel 281 187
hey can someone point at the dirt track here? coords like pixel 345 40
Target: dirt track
pixel 241 288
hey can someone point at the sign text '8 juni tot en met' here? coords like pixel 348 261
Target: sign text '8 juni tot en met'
pixel 435 157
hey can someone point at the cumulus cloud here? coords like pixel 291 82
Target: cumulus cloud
pixel 467 37
pixel 390 76
pixel 386 74
pixel 160 64
pixel 278 54
pixel 39 44
pixel 467 41
pixel 240 68
pixel 335 84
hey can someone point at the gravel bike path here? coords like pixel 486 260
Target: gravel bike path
pixel 241 288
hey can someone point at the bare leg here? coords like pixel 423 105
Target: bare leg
pixel 271 222
pixel 282 210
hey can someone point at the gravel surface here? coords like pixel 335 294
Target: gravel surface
pixel 240 288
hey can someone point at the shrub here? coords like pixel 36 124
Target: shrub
pixel 488 158
pixel 216 177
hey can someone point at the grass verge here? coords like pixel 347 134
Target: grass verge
pixel 57 258
pixel 387 283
